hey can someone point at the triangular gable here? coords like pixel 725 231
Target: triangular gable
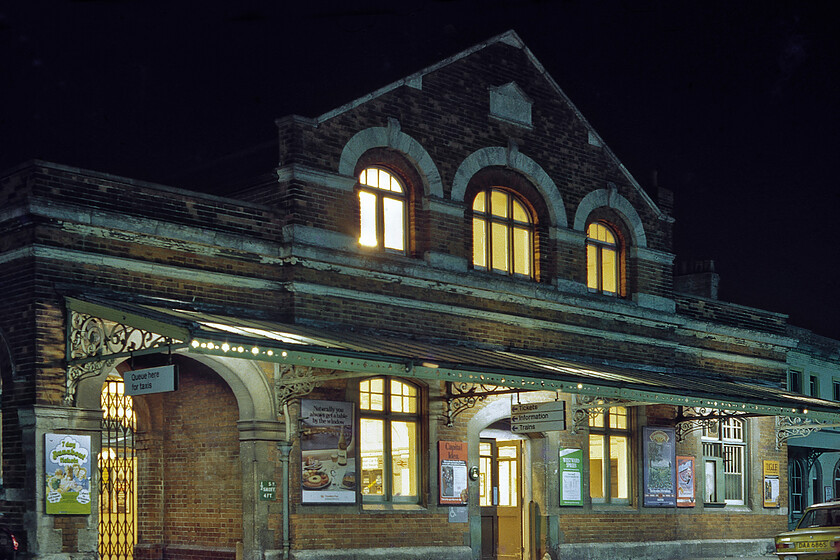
pixel 510 38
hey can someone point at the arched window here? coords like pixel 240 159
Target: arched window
pixel 503 233
pixel 389 442
pixel 602 259
pixel 796 491
pixel 837 480
pixel 382 210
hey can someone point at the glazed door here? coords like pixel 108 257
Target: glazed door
pixel 500 498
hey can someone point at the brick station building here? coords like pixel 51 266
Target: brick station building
pixel 337 358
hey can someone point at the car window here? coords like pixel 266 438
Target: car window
pixel 822 517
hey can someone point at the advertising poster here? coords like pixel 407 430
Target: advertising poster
pixel 453 472
pixel 660 467
pixel 771 484
pixel 685 482
pixel 327 443
pixel 67 474
pixel 570 467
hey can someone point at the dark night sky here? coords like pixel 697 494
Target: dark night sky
pixel 733 103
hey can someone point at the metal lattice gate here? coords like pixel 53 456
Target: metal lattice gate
pixel 117 475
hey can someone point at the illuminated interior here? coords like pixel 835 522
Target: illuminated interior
pixel 382 210
pixel 601 259
pixel 389 443
pixel 503 233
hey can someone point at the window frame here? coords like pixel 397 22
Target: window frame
pixel 814 385
pixel 795 381
pixel 606 431
pixel 387 416
pixel 380 196
pixel 725 449
pixel 600 246
pixel 511 225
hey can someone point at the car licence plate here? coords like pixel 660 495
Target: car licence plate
pixel 812 545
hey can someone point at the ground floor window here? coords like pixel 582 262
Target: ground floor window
pixel 389 440
pixel 609 456
pixel 725 441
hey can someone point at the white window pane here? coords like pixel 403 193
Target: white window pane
pixel 597 476
pixel 371 449
pixel 393 213
pixel 404 458
pixel 609 269
pixel 367 215
pixel 522 251
pixel 592 267
pixel 499 203
pixel 619 467
pixel 479 243
pixel 500 247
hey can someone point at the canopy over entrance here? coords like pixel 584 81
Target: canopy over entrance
pixel 102 330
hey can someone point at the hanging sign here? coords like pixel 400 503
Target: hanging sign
pixel 685 482
pixel 660 467
pixel 67 474
pixel 538 417
pixel 160 379
pixel 327 443
pixel 570 466
pixel 453 472
pixel 771 484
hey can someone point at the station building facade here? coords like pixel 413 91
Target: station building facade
pixel 445 325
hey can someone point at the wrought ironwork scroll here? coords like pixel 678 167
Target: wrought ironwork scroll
pixel 461 396
pixel 692 419
pixel 94 343
pixel 795 426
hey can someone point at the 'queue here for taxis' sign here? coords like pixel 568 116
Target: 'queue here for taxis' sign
pixel 538 417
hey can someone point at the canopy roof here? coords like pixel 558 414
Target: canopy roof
pixel 177 326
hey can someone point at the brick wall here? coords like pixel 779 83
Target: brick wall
pixel 190 476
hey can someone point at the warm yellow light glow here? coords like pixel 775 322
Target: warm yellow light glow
pixel 503 236
pixel 194 344
pixel 382 210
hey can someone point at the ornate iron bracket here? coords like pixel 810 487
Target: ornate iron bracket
pixel 461 396
pixel 93 344
pixel 794 426
pixel 692 419
pixel 294 382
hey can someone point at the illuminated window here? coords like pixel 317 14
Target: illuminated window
pixel 609 456
pixel 382 210
pixel 389 440
pixel 724 450
pixel 503 234
pixel 602 259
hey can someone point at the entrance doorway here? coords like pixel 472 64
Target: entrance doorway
pixel 117 474
pixel 500 498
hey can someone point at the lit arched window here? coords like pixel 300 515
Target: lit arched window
pixel 503 233
pixel 389 442
pixel 602 259
pixel 382 210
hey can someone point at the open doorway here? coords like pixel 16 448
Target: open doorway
pixel 500 498
pixel 117 474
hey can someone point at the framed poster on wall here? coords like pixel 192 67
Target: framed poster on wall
pixel 771 484
pixel 570 467
pixel 660 467
pixel 685 482
pixel 67 474
pixel 452 456
pixel 327 448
